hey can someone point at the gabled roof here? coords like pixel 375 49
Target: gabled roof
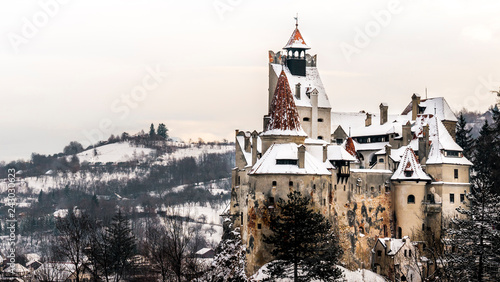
pixel 395 244
pixel 296 41
pixel 267 164
pixel 435 106
pixel 284 117
pixel 409 164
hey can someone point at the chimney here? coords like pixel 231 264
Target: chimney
pixel 388 149
pixel 297 91
pixel 254 147
pixel 325 153
pixel 267 119
pixel 383 113
pixel 247 142
pixel 368 120
pixel 415 101
pixel 302 155
pixel 407 134
pixel 423 145
pixel 388 245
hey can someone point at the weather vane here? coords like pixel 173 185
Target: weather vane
pixel 296 20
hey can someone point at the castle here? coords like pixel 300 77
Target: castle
pixel 374 175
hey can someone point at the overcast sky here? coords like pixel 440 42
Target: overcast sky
pixel 78 69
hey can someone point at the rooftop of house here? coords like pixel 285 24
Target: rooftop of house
pixel 409 168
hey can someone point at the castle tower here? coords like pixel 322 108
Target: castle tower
pixel 305 83
pixel 409 182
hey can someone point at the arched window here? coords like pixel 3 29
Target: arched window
pixel 305 119
pixel 274 183
pixel 411 199
pixel 290 183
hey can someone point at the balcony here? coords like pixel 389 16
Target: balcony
pixel 430 207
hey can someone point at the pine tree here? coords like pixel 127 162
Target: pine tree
pixel 122 244
pixel 152 132
pixel 463 136
pixel 486 158
pixel 474 240
pixel 302 238
pixel 230 257
pixel 162 131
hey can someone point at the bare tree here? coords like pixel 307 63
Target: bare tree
pixel 73 239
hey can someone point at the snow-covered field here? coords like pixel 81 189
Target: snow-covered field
pixel 115 153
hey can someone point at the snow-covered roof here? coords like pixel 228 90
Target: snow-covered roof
pixel 337 153
pixel 296 41
pixel 203 251
pixel 395 244
pixel 433 106
pixel 308 83
pixel 267 164
pixel 355 124
pixel 409 168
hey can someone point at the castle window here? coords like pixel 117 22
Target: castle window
pixel 314 187
pixel 411 199
pixel 381 160
pixel 423 227
pixel 320 120
pixel 241 218
pixel 274 184
pixel 238 181
pixel 408 173
pixel 286 162
pixel 462 198
pixel 305 119
pixel 361 230
pixel 456 173
pixel 406 253
pixel 400 233
pixel 379 253
pixel 320 137
pixel 324 202
pixel 452 198
pixel 271 201
pixel 409 253
pixel 339 141
pixel 372 189
pixel 385 230
pixel 290 183
pixel 259 226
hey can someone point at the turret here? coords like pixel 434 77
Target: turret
pixel 295 51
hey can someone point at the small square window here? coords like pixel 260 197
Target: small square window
pixel 274 183
pixel 379 253
pixel 452 198
pixel 456 173
pixel 259 226
pixel 462 198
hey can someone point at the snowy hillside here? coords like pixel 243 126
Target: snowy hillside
pixel 115 153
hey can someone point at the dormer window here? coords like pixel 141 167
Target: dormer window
pixel 448 153
pixel 286 162
pixel 408 173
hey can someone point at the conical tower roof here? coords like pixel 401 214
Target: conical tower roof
pixel 296 41
pixel 284 117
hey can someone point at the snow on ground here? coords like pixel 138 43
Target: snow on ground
pixel 81 178
pixel 360 275
pixel 207 215
pixel 194 151
pixel 116 152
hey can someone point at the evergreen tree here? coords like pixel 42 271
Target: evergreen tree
pixel 230 257
pixel 121 244
pixel 162 131
pixel 474 240
pixel 463 137
pixel 152 132
pixel 302 238
pixel 486 158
